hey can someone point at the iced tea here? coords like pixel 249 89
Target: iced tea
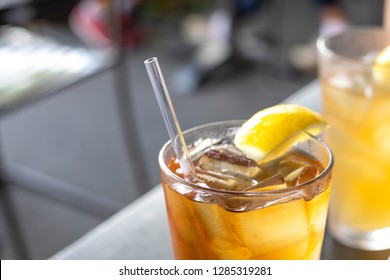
pixel 240 209
pixel 360 137
pixel 357 106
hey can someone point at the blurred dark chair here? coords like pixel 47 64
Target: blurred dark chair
pixel 22 15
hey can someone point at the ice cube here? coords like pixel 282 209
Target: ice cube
pixel 285 153
pixel 281 228
pixel 308 173
pixel 230 164
pixel 217 181
pixel 275 182
pixel 292 177
pixel 181 215
pixel 346 92
pixel 369 57
pixel 290 167
pixel 363 83
pixel 342 81
pixel 197 150
pixel 291 160
pixel 219 233
pixel 301 175
pixel 228 148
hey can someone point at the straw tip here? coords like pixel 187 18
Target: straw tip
pixel 150 60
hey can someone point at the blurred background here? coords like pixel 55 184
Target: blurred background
pixel 80 129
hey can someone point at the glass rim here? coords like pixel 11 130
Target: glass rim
pixel 325 51
pixel 167 171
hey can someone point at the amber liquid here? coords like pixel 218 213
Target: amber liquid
pixel 360 140
pixel 290 230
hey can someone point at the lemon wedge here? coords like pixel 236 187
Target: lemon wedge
pixel 381 67
pixel 270 127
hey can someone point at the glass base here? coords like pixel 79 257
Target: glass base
pixel 375 240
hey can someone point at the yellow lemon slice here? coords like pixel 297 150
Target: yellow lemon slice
pixel 381 67
pixel 270 127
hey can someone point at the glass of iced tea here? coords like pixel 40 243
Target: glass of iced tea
pixel 239 208
pixel 356 102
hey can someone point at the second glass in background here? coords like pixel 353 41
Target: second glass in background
pixel 356 102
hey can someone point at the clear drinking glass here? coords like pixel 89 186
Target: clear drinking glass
pixel 356 102
pixel 271 223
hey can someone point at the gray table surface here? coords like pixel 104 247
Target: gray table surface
pixel 140 231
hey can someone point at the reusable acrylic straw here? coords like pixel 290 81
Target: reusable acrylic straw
pixel 170 119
